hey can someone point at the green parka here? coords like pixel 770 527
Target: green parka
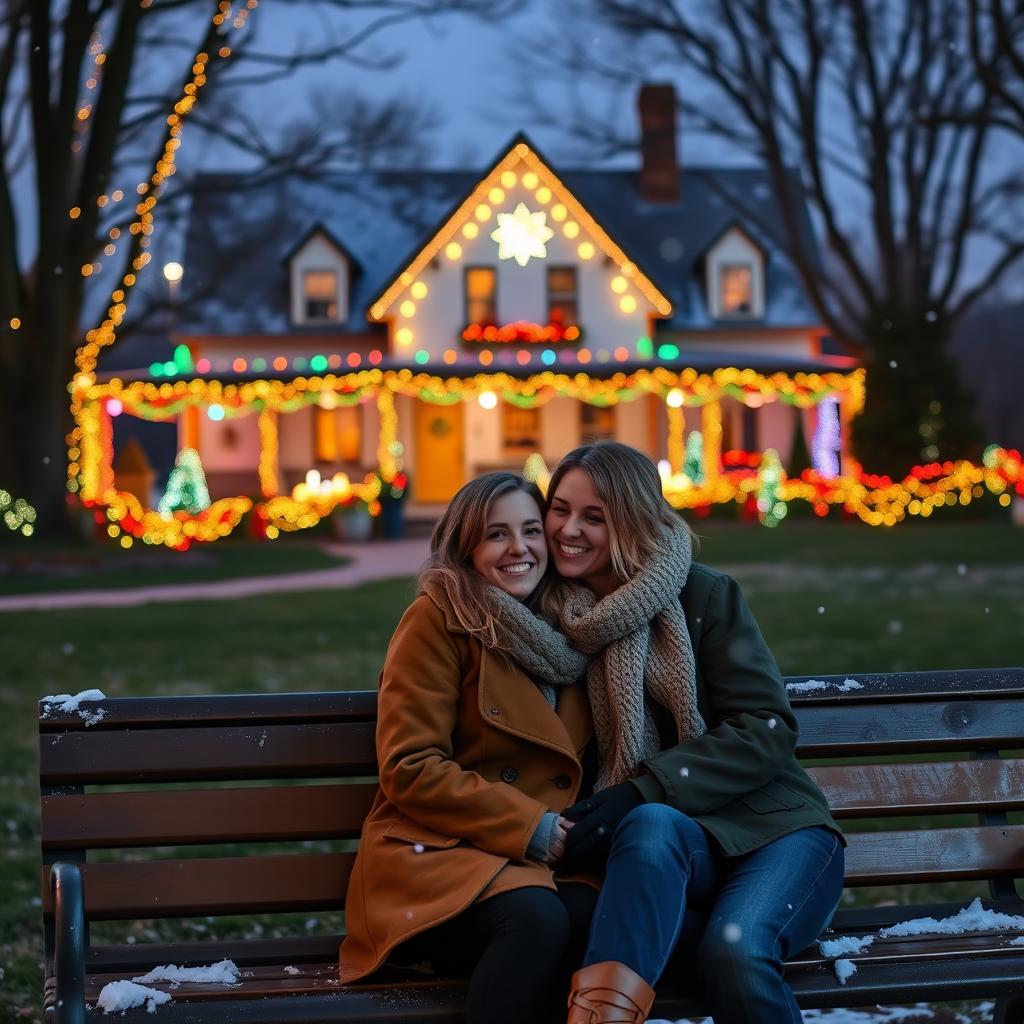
pixel 740 779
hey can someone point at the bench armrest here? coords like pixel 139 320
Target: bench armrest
pixel 69 943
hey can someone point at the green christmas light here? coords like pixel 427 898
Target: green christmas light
pixel 186 486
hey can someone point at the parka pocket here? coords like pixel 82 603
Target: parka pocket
pixel 775 796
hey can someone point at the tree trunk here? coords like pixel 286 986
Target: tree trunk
pixel 917 409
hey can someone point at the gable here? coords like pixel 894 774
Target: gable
pixel 520 181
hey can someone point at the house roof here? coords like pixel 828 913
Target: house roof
pixel 238 239
pixel 519 153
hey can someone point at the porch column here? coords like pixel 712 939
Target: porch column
pixel 268 468
pixel 676 430
pixel 190 428
pixel 388 433
pixel 711 432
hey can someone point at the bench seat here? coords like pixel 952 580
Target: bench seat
pixel 210 806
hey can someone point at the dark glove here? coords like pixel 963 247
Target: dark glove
pixel 596 818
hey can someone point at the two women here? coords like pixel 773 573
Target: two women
pixel 717 852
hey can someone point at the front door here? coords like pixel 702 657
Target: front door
pixel 439 452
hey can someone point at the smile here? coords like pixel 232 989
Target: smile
pixel 570 550
pixel 517 569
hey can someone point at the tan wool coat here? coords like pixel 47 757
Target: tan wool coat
pixel 471 756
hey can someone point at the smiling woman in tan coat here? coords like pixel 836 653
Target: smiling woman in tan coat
pixel 482 722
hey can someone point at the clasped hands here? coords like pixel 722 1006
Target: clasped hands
pixel 584 831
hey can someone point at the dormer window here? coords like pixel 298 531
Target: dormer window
pixel 736 289
pixel 481 295
pixel 320 273
pixel 734 268
pixel 320 295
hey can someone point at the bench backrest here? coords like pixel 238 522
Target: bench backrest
pixel 289 768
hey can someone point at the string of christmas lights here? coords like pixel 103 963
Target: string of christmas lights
pixel 149 193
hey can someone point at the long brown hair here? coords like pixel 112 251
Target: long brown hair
pixel 628 484
pixel 456 535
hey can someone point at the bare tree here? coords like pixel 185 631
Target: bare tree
pixel 997 46
pixel 95 91
pixel 873 115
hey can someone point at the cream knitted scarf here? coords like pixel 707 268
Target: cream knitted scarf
pixel 642 654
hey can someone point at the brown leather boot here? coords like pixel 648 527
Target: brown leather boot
pixel 609 993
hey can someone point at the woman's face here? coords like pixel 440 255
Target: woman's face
pixel 577 532
pixel 512 554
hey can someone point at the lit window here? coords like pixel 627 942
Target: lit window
pixel 320 291
pixel 736 289
pixel 597 423
pixel 520 429
pixel 562 296
pixel 336 435
pixel 481 295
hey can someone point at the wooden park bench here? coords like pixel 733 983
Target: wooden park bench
pixel 291 768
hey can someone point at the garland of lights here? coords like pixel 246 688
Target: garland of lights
pixel 687 388
pixel 925 490
pixel 875 500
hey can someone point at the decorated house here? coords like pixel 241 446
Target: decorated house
pixel 387 331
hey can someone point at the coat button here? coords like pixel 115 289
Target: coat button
pixel 562 781
pixel 509 775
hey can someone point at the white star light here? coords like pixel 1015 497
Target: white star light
pixel 522 234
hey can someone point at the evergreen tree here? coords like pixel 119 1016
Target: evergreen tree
pixel 693 465
pixel 186 486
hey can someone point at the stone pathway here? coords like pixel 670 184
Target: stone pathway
pixel 367 562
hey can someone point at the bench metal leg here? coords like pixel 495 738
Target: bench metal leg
pixel 69 943
pixel 1009 1010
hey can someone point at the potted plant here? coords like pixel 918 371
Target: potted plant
pixel 351 521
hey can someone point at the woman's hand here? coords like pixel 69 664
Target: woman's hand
pixel 556 848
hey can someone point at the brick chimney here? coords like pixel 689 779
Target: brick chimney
pixel 659 172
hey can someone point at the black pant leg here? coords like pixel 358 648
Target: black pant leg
pixel 512 946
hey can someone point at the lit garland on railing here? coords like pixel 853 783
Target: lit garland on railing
pixel 128 521
pixel 877 501
pixel 98 402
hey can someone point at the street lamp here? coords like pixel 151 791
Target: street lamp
pixel 173 273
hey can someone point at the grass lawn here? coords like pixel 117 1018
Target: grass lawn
pixel 31 568
pixel 829 597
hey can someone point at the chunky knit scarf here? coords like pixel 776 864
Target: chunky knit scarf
pixel 642 654
pixel 543 653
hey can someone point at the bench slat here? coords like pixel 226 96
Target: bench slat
pixel 279 882
pixel 140 957
pixel 900 687
pixel 930 726
pixel 164 818
pixel 205 754
pixel 946 787
pixel 221 709
pixel 195 816
pixel 935 855
pixel 276 883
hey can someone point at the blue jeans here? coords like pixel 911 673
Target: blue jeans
pixel 670 896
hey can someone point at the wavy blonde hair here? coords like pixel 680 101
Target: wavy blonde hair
pixel 627 482
pixel 456 535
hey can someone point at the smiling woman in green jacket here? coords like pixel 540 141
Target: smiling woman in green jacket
pixel 721 855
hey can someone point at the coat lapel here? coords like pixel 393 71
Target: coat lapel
pixel 510 701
